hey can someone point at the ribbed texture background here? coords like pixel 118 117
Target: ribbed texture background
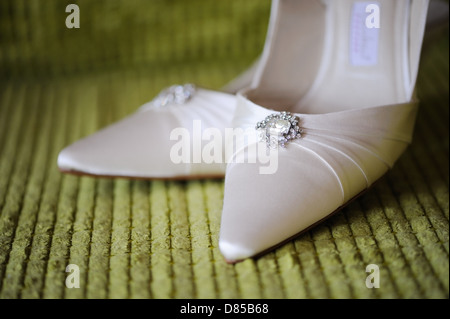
pixel 160 35
pixel 143 239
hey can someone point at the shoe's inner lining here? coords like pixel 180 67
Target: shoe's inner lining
pixel 292 55
pixel 325 57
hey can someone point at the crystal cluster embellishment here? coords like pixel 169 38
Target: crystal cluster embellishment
pixel 278 129
pixel 177 94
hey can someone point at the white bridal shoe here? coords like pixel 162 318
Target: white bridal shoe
pixel 165 138
pixel 335 107
pixel 158 140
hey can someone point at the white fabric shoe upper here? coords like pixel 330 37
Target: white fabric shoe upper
pixel 339 155
pixel 140 145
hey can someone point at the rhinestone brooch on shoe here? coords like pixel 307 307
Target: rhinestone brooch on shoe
pixel 175 94
pixel 278 129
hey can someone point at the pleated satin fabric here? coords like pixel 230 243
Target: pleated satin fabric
pixel 339 155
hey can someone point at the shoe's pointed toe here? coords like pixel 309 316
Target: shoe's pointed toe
pixel 68 159
pixel 234 252
pixel 79 158
pixel 129 147
pixel 261 211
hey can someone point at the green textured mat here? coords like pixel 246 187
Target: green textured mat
pixel 141 239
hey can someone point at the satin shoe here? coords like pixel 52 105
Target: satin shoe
pixel 334 109
pixel 163 139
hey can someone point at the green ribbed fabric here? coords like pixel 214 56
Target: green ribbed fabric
pixel 179 38
pixel 158 239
